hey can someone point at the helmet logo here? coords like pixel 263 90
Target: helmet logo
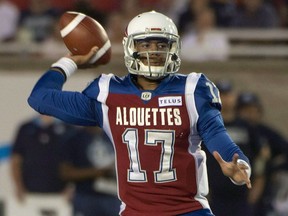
pixel 155 29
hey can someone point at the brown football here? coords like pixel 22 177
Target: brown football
pixel 80 33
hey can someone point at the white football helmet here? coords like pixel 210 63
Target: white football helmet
pixel 152 25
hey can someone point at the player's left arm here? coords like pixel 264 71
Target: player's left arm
pixel 232 160
pixel 48 98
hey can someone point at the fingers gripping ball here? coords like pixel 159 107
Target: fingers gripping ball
pixel 80 33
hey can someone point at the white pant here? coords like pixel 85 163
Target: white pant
pixel 39 205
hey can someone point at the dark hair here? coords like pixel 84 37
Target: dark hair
pixel 224 86
pixel 248 99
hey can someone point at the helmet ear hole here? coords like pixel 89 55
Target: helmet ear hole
pixel 136 55
pixel 152 25
pixel 174 57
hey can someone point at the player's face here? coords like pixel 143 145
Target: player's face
pixel 152 51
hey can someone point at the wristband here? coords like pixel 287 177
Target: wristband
pixel 67 65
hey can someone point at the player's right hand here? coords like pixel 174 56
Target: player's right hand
pixel 234 170
pixel 82 60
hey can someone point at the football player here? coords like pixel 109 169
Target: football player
pixel 156 118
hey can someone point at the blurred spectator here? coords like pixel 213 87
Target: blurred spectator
pixel 117 21
pixel 222 196
pixel 282 10
pixel 21 4
pixel 88 162
pixel 224 11
pixel 37 22
pixel 173 8
pixel 63 5
pixel 147 5
pixel 250 108
pixel 187 16
pixel 167 7
pixel 53 47
pixel 86 7
pixel 108 6
pixel 35 167
pixel 98 9
pixel 255 14
pixel 9 15
pixel 204 42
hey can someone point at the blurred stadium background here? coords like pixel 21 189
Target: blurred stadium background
pixel 257 61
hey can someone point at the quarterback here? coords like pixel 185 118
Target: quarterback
pixel 156 118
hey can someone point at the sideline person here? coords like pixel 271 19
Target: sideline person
pixel 35 159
